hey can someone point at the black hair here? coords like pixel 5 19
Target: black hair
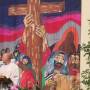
pixel 7 50
pixel 2 52
pixel 6 82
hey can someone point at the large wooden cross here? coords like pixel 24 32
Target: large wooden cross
pixel 34 47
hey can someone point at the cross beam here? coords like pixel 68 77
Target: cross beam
pixel 22 9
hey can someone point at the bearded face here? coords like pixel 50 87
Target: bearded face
pixel 59 58
pixel 59 61
pixel 75 61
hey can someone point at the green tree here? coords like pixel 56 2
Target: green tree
pixel 86 73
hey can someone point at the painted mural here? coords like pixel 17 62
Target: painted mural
pixel 42 45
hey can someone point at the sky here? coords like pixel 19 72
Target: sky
pixel 14 21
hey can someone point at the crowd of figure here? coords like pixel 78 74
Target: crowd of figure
pixel 15 74
pixel 62 72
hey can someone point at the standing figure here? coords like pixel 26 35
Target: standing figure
pixel 61 72
pixel 27 80
pixel 33 37
pixel 74 71
pixel 58 80
pixel 9 69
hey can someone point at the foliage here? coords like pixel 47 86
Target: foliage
pixel 86 73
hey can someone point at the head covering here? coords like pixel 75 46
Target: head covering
pixel 64 69
pixel 25 60
pixel 59 52
pixel 2 52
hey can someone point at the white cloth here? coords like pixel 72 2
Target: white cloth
pixel 1 63
pixel 13 60
pixel 11 71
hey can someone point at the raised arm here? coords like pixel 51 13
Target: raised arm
pixel 28 22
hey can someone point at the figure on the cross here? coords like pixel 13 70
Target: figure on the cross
pixel 26 38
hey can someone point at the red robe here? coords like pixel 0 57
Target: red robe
pixel 27 79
